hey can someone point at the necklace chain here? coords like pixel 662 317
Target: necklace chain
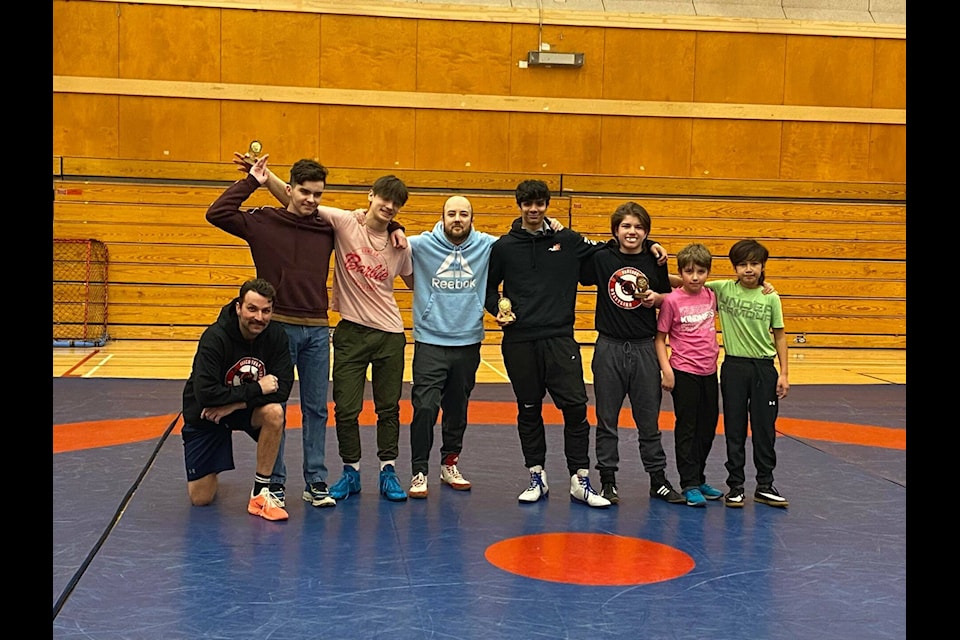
pixel 370 240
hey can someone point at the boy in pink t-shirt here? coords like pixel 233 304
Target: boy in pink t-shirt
pixel 370 332
pixel 688 318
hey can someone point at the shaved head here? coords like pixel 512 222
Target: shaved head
pixel 457 203
pixel 457 219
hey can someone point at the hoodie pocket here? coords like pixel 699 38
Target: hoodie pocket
pixel 452 313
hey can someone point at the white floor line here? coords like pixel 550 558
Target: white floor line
pixel 500 373
pixel 99 364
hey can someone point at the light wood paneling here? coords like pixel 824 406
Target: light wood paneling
pixel 257 47
pixel 293 130
pixel 471 140
pixel 546 143
pixel 794 190
pixel 170 129
pixel 828 71
pixel 807 144
pixel 559 16
pixel 649 65
pixel 222 173
pixel 740 68
pixel 557 82
pixel 716 208
pixel 463 57
pixel 86 125
pixel 735 149
pixel 888 152
pixel 85 39
pixel 638 146
pixel 840 267
pixel 368 53
pixel 890 74
pixel 367 137
pixel 169 43
pixel 157 55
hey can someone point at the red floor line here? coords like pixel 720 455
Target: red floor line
pixel 69 372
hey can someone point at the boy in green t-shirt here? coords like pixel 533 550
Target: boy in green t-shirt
pixel 749 382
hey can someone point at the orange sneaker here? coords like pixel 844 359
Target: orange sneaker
pixel 265 505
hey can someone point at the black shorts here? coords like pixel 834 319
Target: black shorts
pixel 209 450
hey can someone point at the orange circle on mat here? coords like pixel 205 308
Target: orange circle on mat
pixel 596 559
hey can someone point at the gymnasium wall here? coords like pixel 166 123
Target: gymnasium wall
pixel 440 87
pixel 788 131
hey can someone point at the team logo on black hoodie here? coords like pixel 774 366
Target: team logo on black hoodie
pixel 245 370
pixel 624 285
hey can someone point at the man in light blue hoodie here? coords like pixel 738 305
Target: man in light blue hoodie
pixel 450 266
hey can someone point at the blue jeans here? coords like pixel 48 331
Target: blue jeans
pixel 310 353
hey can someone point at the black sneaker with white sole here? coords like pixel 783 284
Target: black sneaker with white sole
pixel 734 497
pixel 609 491
pixel 768 494
pixel 665 491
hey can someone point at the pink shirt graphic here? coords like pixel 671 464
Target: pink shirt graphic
pixel 366 265
pixel 690 323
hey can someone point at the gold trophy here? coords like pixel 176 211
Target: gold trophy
pixel 253 153
pixel 505 307
pixel 642 285
pixel 637 289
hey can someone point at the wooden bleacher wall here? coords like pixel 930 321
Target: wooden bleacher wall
pixel 838 262
pixel 791 132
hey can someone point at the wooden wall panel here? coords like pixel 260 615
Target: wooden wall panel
pixel 566 82
pixel 740 68
pixel 735 149
pixel 545 143
pixel 367 137
pixel 85 36
pixel 169 43
pixel 86 125
pixel 368 53
pixel 842 275
pixel 270 47
pixel 657 67
pixel 890 74
pixel 888 153
pixel 722 208
pixel 463 57
pixel 169 129
pixel 468 140
pixel 288 131
pixel 649 65
pixel 829 72
pixel 825 151
pixel 645 146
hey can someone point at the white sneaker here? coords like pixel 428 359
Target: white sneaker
pixel 450 474
pixel 538 485
pixel 418 486
pixel 581 491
